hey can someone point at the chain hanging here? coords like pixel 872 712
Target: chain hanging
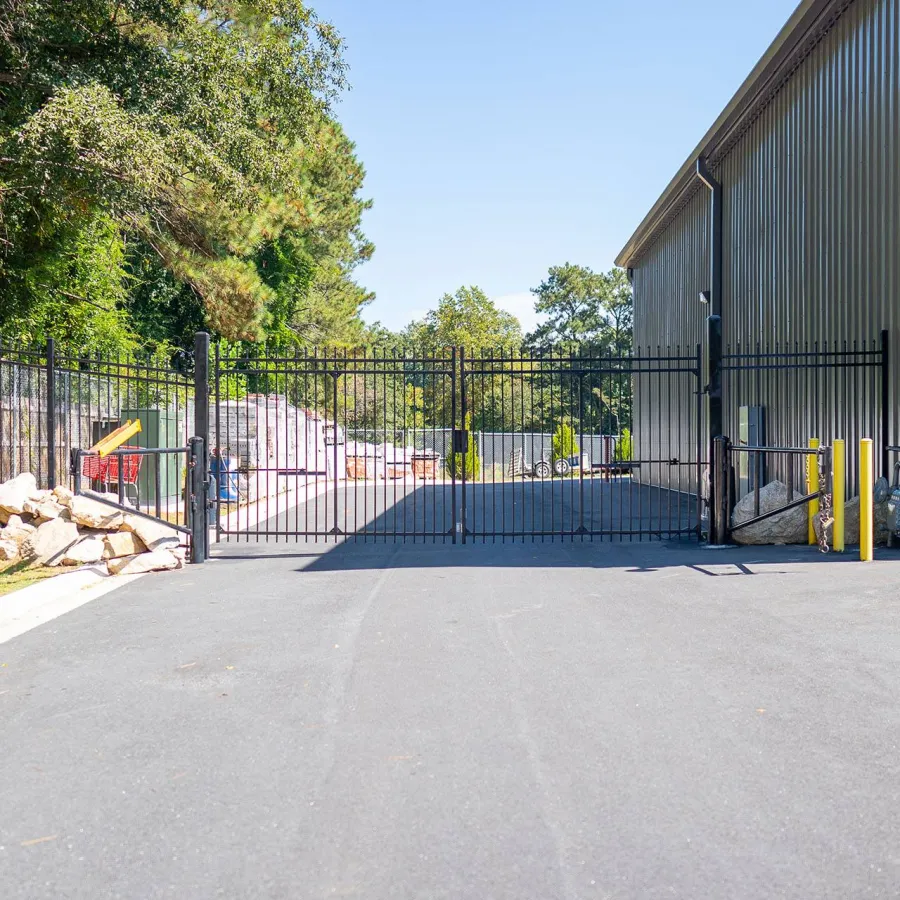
pixel 826 518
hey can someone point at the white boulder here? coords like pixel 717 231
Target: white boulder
pixel 16 492
pixel 16 530
pixel 95 514
pixel 49 542
pixel 87 550
pixel 9 550
pixel 49 509
pixel 851 523
pixel 63 495
pixel 155 561
pixel 789 527
pixel 122 543
pixel 154 534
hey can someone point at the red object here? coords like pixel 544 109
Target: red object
pixel 108 468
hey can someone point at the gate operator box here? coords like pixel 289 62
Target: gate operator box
pixel 752 433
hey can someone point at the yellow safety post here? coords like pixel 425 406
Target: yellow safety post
pixel 812 487
pixel 866 501
pixel 838 489
pixel 109 443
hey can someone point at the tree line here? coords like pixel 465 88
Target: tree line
pixel 525 385
pixel 579 308
pixel 167 167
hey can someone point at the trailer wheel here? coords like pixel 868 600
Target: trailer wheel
pixel 562 467
pixel 542 470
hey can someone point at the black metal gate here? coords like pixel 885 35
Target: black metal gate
pixel 583 445
pixel 456 447
pixel 332 445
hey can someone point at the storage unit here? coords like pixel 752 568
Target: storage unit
pixel 795 190
pixel 159 428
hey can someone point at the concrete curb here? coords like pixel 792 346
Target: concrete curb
pixel 29 607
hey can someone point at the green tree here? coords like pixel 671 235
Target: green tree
pixel 624 447
pixel 469 319
pixel 311 266
pixel 200 132
pixel 581 306
pixel 565 443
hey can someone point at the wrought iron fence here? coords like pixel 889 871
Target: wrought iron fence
pixel 52 403
pixel 795 392
pixel 286 428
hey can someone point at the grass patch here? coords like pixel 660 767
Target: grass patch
pixel 19 574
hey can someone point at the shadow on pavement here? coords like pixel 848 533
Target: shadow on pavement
pixel 631 557
pixel 415 530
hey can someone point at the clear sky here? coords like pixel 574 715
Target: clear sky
pixel 501 138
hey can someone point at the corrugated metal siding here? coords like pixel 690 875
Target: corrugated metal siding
pixel 668 281
pixel 670 319
pixel 811 215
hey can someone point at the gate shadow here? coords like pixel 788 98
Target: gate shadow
pixel 416 531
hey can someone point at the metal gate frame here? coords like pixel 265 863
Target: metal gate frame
pixel 195 525
pixel 331 366
pixel 723 500
pixel 324 377
pixel 578 366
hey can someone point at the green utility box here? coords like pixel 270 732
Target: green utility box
pixel 159 428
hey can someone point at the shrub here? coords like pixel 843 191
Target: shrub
pixel 623 447
pixel 565 445
pixel 457 461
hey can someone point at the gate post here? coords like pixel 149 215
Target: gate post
pixel 714 376
pixel 718 507
pixel 885 403
pixel 196 500
pixel 718 456
pixel 200 484
pixel 51 414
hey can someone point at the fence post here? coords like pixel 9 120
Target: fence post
pixel 201 430
pixel 866 501
pixel 718 508
pixel 51 413
pixel 812 487
pixel 714 377
pixel 838 492
pixel 885 403
pixel 196 500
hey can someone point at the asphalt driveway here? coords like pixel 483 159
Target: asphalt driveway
pixel 524 721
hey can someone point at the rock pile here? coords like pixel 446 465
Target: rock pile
pixel 54 528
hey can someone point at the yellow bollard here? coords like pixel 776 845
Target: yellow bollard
pixel 838 489
pixel 812 487
pixel 866 501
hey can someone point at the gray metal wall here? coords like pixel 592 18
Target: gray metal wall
pixel 811 215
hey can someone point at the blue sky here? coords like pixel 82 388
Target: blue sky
pixel 502 138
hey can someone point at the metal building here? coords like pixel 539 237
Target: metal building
pixel 787 218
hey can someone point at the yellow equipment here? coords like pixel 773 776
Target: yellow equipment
pixel 109 443
pixel 866 501
pixel 812 487
pixel 838 492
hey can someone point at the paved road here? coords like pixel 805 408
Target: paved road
pixel 525 722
